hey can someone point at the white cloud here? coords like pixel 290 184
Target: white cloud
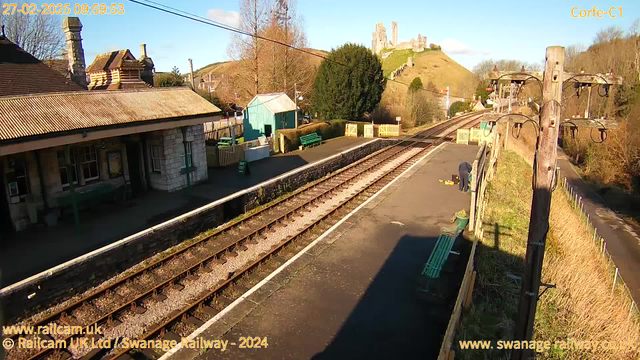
pixel 453 46
pixel 231 18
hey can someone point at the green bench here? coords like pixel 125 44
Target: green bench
pixel 94 195
pixel 439 255
pixel 225 142
pixel 310 140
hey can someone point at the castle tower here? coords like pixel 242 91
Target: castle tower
pixel 394 34
pixel 75 54
pixel 379 40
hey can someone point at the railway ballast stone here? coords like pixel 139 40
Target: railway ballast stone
pixel 51 288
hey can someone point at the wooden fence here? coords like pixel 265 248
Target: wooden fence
pixel 484 167
pixel 351 130
pixel 368 130
pixel 218 157
pixel 387 130
pixel 462 136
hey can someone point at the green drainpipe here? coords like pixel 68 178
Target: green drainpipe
pixel 70 173
pixel 186 158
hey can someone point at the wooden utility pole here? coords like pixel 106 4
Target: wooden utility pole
pixel 193 84
pixel 544 177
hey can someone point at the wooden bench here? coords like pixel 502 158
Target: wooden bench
pixel 94 195
pixel 439 255
pixel 310 140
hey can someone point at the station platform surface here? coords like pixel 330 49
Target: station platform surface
pixel 353 294
pixel 29 252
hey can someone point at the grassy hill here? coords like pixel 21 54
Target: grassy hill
pixel 228 67
pixel 397 58
pixel 434 66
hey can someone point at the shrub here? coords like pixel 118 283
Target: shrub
pixel 327 130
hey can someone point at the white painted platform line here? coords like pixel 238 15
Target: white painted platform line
pixel 218 316
pixel 47 273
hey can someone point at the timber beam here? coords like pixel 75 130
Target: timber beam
pixel 568 123
pixel 581 78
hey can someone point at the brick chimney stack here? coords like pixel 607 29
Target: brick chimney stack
pixel 75 54
pixel 143 51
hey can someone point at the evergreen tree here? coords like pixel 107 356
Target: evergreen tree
pixel 347 92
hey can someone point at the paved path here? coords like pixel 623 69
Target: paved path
pixel 353 295
pixel 623 242
pixel 29 252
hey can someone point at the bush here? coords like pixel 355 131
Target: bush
pixel 459 106
pixel 327 130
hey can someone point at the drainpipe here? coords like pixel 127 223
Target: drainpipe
pixel 70 173
pixel 43 190
pixel 186 158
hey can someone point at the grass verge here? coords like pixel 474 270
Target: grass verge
pixel 581 308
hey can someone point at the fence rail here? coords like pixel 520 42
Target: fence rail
pixel 484 167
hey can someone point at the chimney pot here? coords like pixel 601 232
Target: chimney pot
pixel 143 50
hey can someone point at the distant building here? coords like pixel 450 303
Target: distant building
pixel 267 113
pixel 62 145
pixel 121 70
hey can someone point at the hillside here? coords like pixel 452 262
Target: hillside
pixel 434 66
pixel 397 58
pixel 227 67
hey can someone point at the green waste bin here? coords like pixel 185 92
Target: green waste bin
pixel 462 222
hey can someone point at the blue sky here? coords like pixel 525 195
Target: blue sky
pixel 470 30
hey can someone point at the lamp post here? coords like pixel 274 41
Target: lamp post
pixel 295 97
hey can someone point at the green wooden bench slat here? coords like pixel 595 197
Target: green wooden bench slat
pixel 310 139
pixel 439 255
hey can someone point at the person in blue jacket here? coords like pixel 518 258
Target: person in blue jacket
pixel 464 169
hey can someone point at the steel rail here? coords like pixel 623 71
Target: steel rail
pixel 236 244
pixel 197 304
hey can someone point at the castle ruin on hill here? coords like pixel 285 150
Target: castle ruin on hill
pixel 380 41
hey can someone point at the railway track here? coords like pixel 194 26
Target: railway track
pixel 172 296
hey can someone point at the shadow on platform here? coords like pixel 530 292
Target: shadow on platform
pixel 393 320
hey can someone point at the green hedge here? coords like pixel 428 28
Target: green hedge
pixel 327 130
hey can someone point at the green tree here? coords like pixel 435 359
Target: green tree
pixel 168 79
pixel 422 105
pixel 482 92
pixel 459 106
pixel 347 92
pixel 416 84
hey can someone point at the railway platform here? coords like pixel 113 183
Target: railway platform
pixel 29 252
pixel 352 293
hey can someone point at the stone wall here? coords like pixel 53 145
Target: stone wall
pixel 172 174
pixel 24 213
pixel 78 275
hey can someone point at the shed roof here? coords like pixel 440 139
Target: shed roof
pixel 34 115
pixel 275 102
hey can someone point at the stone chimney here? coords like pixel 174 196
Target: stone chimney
pixel 143 51
pixel 75 54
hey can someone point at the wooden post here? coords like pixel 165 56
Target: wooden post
pixel 506 136
pixel 469 296
pixel 544 169
pixel 615 280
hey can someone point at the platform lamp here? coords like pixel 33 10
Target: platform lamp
pixel 297 96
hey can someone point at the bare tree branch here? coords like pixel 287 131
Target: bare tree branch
pixel 39 35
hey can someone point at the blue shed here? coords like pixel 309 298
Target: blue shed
pixel 267 113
